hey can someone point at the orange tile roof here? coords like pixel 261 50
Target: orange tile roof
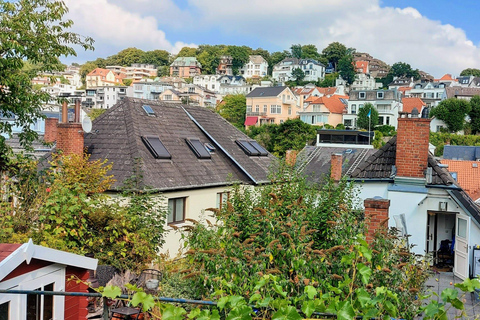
pixel 446 77
pixel 410 103
pixel 468 175
pixel 311 99
pixel 327 91
pixel 98 72
pixel 361 65
pixel 333 103
pixel 299 91
pixel 404 89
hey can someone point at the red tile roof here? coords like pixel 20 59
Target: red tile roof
pixel 363 65
pixel 404 89
pixel 410 103
pixel 333 103
pixel 98 72
pixel 299 91
pixel 6 249
pixel 446 77
pixel 327 91
pixel 468 175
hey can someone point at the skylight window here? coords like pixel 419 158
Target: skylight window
pixel 198 148
pixel 260 149
pixel 148 110
pixel 252 148
pixel 156 147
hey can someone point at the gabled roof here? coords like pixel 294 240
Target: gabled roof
pixel 361 65
pixel 410 103
pixel 379 166
pixel 468 175
pixel 266 92
pixel 117 136
pixel 327 91
pixel 99 72
pixel 257 59
pixel 446 77
pixel 333 104
pixel 13 255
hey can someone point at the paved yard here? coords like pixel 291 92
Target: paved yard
pixel 442 280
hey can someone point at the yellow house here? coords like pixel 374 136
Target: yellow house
pixel 101 77
pixel 325 110
pixel 271 105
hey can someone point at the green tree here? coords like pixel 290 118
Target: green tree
pixel 470 72
pixel 329 80
pixel 95 113
pixel 209 57
pixel 128 56
pixel 85 69
pixel 262 52
pixel 293 134
pixel 187 52
pixel 32 30
pixel 240 56
pixel 453 112
pixel 127 82
pixel 156 57
pixel 346 68
pixel 233 108
pixel 366 121
pixel 334 52
pixel 296 50
pixel 474 114
pixel 400 69
pixel 298 74
pixel 310 51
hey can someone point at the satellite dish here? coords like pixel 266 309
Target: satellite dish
pixel 86 124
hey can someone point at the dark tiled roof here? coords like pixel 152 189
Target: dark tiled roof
pixel 314 162
pixel 266 92
pixel 116 136
pixel 380 166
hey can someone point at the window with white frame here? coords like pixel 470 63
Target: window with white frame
pixel 275 109
pixel 354 108
pixel 176 210
pixel 257 108
pixel 362 95
pixel 380 95
pixel 249 108
pixel 289 110
pixel 265 108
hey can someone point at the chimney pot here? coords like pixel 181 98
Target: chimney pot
pixel 336 166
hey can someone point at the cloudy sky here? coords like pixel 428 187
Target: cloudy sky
pixel 437 36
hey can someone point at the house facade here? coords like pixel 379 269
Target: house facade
pixel 32 267
pixel 256 67
pixel 103 97
pixel 225 66
pixel 430 92
pixel 185 67
pixel 149 90
pixel 102 77
pixel 324 110
pixel 387 102
pixel 312 69
pixel 271 105
pixel 189 94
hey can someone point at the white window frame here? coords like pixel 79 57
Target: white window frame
pixel 380 95
pixel 362 95
pixel 222 198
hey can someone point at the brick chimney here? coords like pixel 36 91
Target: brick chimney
pixel 70 134
pixel 50 130
pixel 336 167
pixel 412 146
pixel 376 212
pixel 291 157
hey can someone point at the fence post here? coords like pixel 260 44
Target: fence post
pixel 105 308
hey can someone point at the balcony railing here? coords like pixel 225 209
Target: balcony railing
pixel 253 114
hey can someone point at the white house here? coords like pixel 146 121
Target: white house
pixel 256 67
pixel 312 69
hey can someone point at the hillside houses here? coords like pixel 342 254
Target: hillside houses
pixel 312 69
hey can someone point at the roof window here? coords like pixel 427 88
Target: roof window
pixel 148 110
pixel 156 147
pixel 252 148
pixel 198 148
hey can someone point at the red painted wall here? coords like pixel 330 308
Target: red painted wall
pixel 26 268
pixel 76 307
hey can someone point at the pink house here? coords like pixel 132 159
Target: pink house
pixel 32 267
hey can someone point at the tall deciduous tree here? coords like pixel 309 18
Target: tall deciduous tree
pixel 156 57
pixel 240 56
pixel 187 52
pixel 334 52
pixel 32 30
pixel 452 111
pixel 298 74
pixel 296 50
pixel 475 114
pixel 470 72
pixel 346 68
pixel 367 117
pixel 233 109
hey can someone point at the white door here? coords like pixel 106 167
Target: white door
pixel 462 226
pixel 430 232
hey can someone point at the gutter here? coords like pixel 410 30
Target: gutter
pixel 221 148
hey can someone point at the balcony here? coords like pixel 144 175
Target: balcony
pixel 256 114
pixel 288 101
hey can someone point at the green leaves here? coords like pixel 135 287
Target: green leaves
pixel 288 313
pixel 365 272
pixel 172 312
pixel 146 300
pixel 111 292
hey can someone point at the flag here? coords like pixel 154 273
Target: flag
pixel 369 113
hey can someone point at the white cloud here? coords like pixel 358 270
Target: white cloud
pixel 390 34
pixel 114 26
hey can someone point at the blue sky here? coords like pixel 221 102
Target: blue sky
pixel 435 36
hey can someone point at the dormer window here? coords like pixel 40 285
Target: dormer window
pixel 362 95
pixel 380 95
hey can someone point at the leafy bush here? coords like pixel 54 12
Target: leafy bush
pixel 386 130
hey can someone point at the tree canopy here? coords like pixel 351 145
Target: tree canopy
pixel 34 31
pixel 474 114
pixel 346 68
pixel 453 112
pixel 334 52
pixel 364 121
pixel 470 72
pixel 233 109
